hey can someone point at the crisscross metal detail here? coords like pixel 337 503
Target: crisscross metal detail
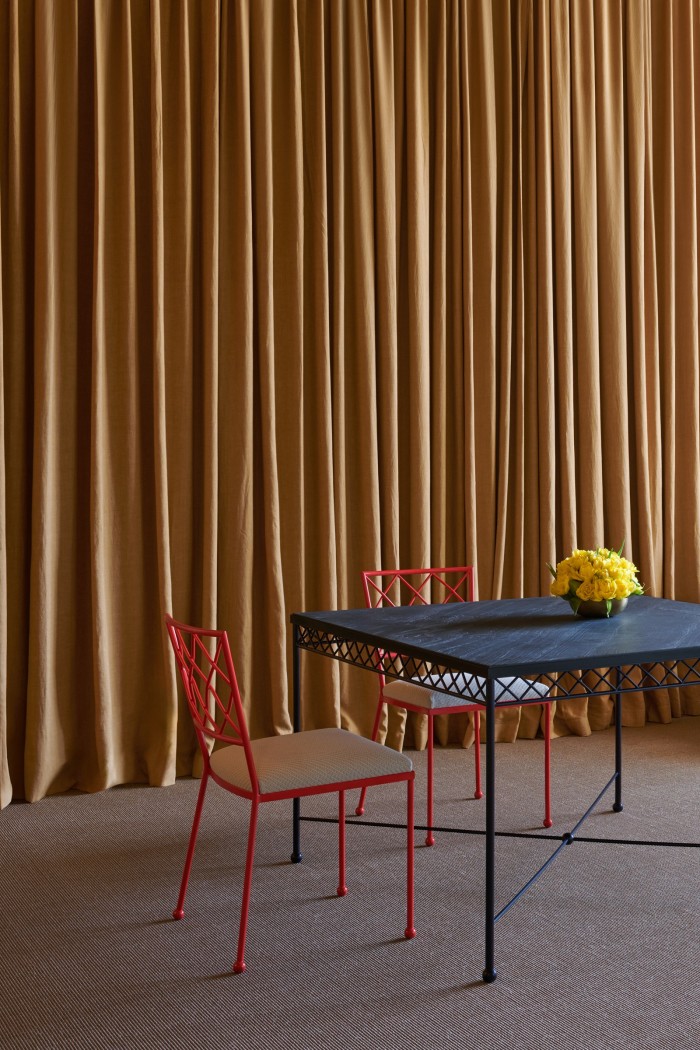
pixel 418 586
pixel 682 672
pixel 470 687
pixel 206 676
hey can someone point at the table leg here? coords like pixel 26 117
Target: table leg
pixel 296 688
pixel 489 974
pixel 617 805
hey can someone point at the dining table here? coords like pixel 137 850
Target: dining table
pixel 482 650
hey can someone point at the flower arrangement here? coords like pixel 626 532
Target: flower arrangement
pixel 601 575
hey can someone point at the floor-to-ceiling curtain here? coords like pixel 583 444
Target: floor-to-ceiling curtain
pixel 292 289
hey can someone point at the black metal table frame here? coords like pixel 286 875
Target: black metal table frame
pixel 346 645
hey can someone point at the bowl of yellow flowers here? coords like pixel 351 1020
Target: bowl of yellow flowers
pixel 595 583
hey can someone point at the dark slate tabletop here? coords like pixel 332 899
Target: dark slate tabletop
pixel 521 636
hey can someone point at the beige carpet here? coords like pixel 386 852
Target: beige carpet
pixel 600 953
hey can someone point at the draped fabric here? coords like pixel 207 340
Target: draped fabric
pixel 295 289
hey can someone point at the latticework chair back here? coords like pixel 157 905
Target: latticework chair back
pixel 418 586
pixel 206 668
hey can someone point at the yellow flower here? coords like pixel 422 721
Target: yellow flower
pixel 560 586
pixel 586 591
pixel 604 590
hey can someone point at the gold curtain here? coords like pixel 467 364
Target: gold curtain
pixel 294 289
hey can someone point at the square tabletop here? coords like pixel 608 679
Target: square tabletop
pixel 518 636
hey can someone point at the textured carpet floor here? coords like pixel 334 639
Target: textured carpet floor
pixel 600 953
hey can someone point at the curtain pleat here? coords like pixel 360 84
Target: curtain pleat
pixel 5 782
pixel 16 202
pixel 52 722
pixel 292 290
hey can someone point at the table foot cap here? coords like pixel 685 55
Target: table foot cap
pixel 490 976
pixel 295 858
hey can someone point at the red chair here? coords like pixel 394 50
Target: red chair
pixel 273 768
pixel 429 587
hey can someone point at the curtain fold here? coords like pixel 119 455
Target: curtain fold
pixel 5 782
pixel 292 290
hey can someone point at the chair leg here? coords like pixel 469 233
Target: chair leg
pixel 239 965
pixel 547 822
pixel 375 733
pixel 430 838
pixel 342 888
pixel 179 912
pixel 410 930
pixel 478 793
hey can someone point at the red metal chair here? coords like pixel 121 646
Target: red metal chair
pixel 281 767
pixel 429 587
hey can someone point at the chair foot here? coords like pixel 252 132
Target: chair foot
pixel 430 839
pixel 479 793
pixel 178 913
pixel 342 891
pixel 547 823
pixel 409 932
pixel 490 976
pixel 238 967
pixel 359 811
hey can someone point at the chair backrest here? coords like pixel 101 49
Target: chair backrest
pixel 203 657
pixel 418 586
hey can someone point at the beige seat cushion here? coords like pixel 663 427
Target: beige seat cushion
pixel 310 759
pixel 424 696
